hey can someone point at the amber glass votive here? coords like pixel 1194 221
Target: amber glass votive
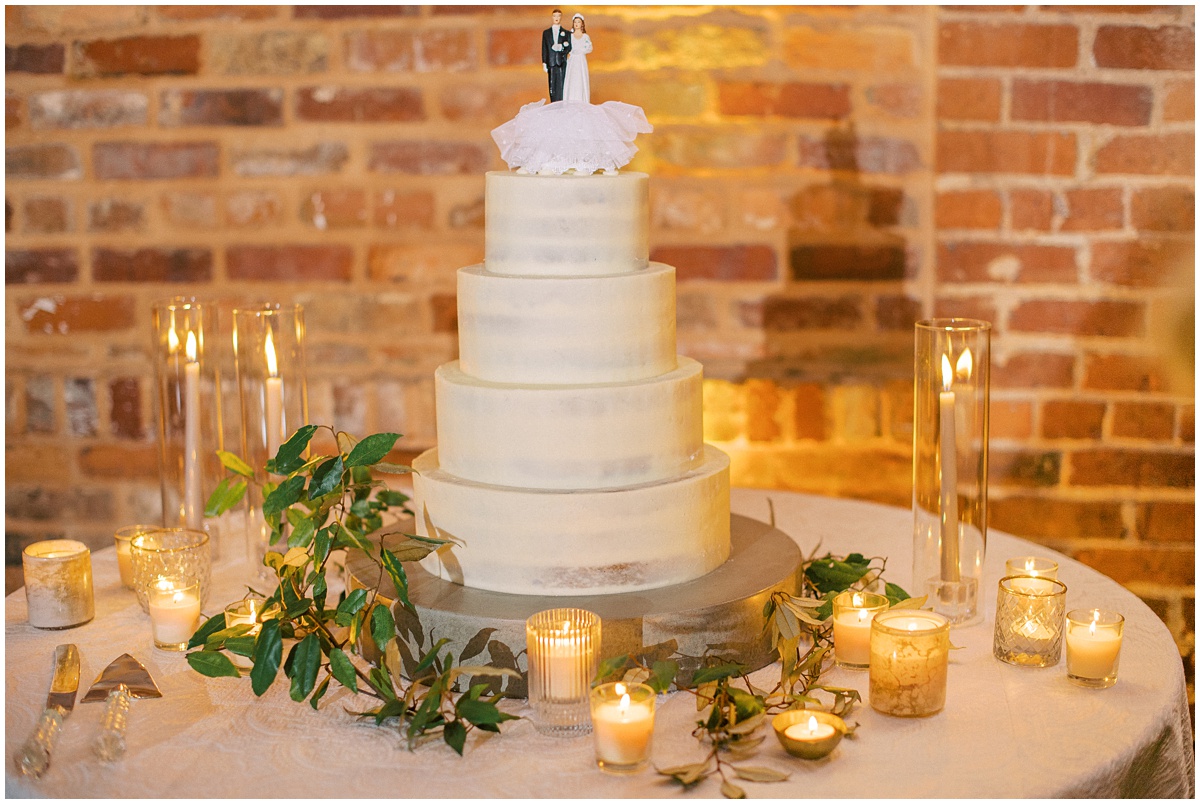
pixel 58 583
pixel 910 657
pixel 1093 647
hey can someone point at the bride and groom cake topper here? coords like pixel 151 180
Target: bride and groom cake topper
pixel 570 134
pixel 564 58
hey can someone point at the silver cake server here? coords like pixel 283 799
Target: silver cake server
pixel 125 678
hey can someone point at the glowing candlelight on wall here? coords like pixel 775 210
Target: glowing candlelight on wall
pixel 274 399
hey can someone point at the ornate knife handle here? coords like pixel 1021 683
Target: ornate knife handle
pixel 34 757
pixel 110 745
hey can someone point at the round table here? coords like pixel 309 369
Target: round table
pixel 1006 732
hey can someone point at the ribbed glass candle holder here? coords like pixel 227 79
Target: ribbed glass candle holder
pixel 950 458
pixel 563 647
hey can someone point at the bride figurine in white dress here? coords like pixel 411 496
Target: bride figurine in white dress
pixel 576 85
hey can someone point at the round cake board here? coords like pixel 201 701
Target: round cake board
pixel 719 614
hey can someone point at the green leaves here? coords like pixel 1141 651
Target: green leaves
pixel 287 459
pixel 455 735
pixel 396 570
pixel 383 626
pixel 830 574
pixel 305 662
pixel 287 493
pixel 268 653
pixel 718 672
pixel 372 449
pixel 351 606
pixel 325 478
pixel 343 670
pixel 235 464
pixel 211 626
pixel 211 663
pixel 226 495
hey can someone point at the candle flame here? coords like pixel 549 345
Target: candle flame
pixel 1029 565
pixel 862 615
pixel 947 374
pixel 965 364
pixel 272 365
pixel 1029 627
pixel 624 705
pixel 1092 628
pixel 812 724
pixel 912 626
pixel 177 597
pixel 857 599
pixel 191 347
pixel 620 688
pixel 172 341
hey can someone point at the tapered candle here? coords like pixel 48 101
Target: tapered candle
pixel 193 506
pixel 949 488
pixel 274 400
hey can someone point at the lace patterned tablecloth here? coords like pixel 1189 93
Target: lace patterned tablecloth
pixel 1005 731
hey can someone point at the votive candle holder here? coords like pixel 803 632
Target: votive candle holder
pixel 171 553
pixel 622 725
pixel 1031 567
pixel 910 658
pixel 122 538
pixel 58 583
pixel 1030 615
pixel 852 616
pixel 248 611
pixel 1093 647
pixel 562 646
pixel 174 604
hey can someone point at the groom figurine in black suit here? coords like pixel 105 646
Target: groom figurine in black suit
pixel 556 44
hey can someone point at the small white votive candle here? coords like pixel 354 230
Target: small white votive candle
pixel 1093 647
pixel 58 583
pixel 124 558
pixel 622 724
pixel 852 615
pixel 246 611
pixel 1032 567
pixel 174 611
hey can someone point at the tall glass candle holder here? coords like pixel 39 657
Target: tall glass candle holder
pixel 563 647
pixel 910 660
pixel 269 350
pixel 58 583
pixel 950 460
pixel 1030 615
pixel 189 405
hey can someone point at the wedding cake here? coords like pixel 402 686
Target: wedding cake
pixel 570 456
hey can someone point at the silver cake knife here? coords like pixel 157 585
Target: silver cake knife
pixel 34 757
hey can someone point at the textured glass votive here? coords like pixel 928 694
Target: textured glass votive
pixel 622 725
pixel 170 552
pixel 910 657
pixel 1029 621
pixel 124 559
pixel 950 459
pixel 852 615
pixel 174 604
pixel 58 583
pixel 562 647
pixel 1031 567
pixel 1093 647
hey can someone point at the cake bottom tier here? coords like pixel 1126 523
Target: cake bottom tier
pixel 530 541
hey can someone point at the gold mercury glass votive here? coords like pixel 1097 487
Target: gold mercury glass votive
pixel 58 583
pixel 562 646
pixel 910 657
pixel 1032 567
pixel 622 725
pixel 852 615
pixel 808 733
pixel 1030 614
pixel 1093 647
pixel 174 604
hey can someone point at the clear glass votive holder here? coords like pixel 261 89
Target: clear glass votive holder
pixel 622 725
pixel 1031 567
pixel 171 553
pixel 1030 614
pixel 58 583
pixel 852 615
pixel 124 559
pixel 950 459
pixel 174 604
pixel 910 659
pixel 1093 647
pixel 247 611
pixel 562 646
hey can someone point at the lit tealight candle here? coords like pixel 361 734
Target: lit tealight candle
pixel 808 734
pixel 810 731
pixel 852 615
pixel 1093 647
pixel 623 723
pixel 174 611
pixel 1032 567
pixel 244 612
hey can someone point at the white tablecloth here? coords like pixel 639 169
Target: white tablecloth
pixel 1005 731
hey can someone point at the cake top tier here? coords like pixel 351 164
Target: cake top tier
pixel 566 225
pixel 571 136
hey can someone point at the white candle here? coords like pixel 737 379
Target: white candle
pixel 193 505
pixel 1032 567
pixel 910 654
pixel 810 731
pixel 623 728
pixel 563 658
pixel 125 562
pixel 1092 650
pixel 174 611
pixel 852 615
pixel 274 411
pixel 949 463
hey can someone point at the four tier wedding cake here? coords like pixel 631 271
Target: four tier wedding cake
pixel 570 455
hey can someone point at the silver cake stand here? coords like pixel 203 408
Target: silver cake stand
pixel 720 613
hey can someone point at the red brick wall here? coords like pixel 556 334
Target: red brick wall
pixel 824 176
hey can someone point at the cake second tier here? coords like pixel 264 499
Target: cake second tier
pixel 597 436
